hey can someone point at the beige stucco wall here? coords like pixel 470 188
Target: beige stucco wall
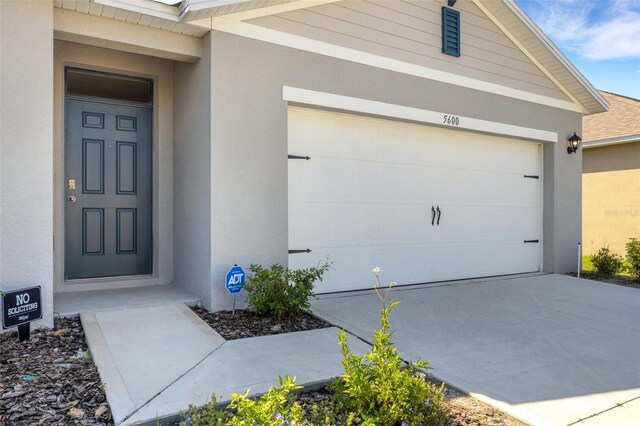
pixel 161 72
pixel 26 155
pixel 610 197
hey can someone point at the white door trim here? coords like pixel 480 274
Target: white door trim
pixel 383 109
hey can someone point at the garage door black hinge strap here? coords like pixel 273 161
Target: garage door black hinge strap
pixel 532 177
pixel 299 251
pixel 298 157
pixel 531 241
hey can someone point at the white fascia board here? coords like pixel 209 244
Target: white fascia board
pixel 145 7
pixel 557 53
pixel 340 52
pixel 611 141
pixel 194 5
pixel 189 8
pixel 383 109
pixel 528 54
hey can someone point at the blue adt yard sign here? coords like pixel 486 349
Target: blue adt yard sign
pixel 235 279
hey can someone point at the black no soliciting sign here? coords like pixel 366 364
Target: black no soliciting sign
pixel 20 307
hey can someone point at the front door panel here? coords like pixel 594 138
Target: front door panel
pixel 107 190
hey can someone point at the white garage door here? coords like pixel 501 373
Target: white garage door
pixel 373 190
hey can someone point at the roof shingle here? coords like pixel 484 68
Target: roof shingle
pixel 622 119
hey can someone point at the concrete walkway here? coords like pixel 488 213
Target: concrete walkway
pixel 549 349
pixel 156 360
pixel 72 303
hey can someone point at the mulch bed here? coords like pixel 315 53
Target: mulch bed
pixel 50 379
pixel 616 280
pixel 245 323
pixel 468 411
pixel 464 410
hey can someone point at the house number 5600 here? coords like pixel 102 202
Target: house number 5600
pixel 452 120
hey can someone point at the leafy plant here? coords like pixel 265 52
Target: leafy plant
pixel 328 412
pixel 207 415
pixel 607 263
pixel 380 387
pixel 281 292
pixel 633 256
pixel 275 408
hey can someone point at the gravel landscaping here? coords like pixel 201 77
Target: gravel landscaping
pixel 50 379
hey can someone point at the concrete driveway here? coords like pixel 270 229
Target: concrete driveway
pixel 547 349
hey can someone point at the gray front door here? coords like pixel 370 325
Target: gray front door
pixel 107 190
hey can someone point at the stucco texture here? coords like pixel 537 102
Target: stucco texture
pixel 248 219
pixel 610 197
pixel 26 153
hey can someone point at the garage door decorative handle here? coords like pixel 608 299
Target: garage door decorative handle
pixel 531 241
pixel 299 251
pixel 298 157
pixel 433 215
pixel 439 214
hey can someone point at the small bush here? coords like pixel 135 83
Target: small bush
pixel 281 292
pixel 207 415
pixel 633 256
pixel 380 388
pixel 275 408
pixel 606 263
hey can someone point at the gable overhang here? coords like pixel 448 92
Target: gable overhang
pixel 509 17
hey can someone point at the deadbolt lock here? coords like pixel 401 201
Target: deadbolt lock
pixel 71 185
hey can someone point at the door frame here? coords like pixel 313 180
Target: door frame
pixel 160 72
pixel 102 102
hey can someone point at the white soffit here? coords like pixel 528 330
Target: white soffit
pixel 145 13
pixel 535 44
pixel 192 10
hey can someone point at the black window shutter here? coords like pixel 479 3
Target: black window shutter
pixel 450 31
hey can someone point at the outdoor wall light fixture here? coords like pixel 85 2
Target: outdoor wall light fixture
pixel 573 143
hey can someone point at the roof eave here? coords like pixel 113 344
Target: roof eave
pixel 602 104
pixel 611 141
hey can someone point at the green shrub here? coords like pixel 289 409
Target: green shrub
pixel 281 292
pixel 380 388
pixel 633 256
pixel 606 263
pixel 207 415
pixel 328 412
pixel 275 408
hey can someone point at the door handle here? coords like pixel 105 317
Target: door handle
pixel 439 214
pixel 433 215
pixel 72 198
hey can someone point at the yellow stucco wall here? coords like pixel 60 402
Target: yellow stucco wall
pixel 610 197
